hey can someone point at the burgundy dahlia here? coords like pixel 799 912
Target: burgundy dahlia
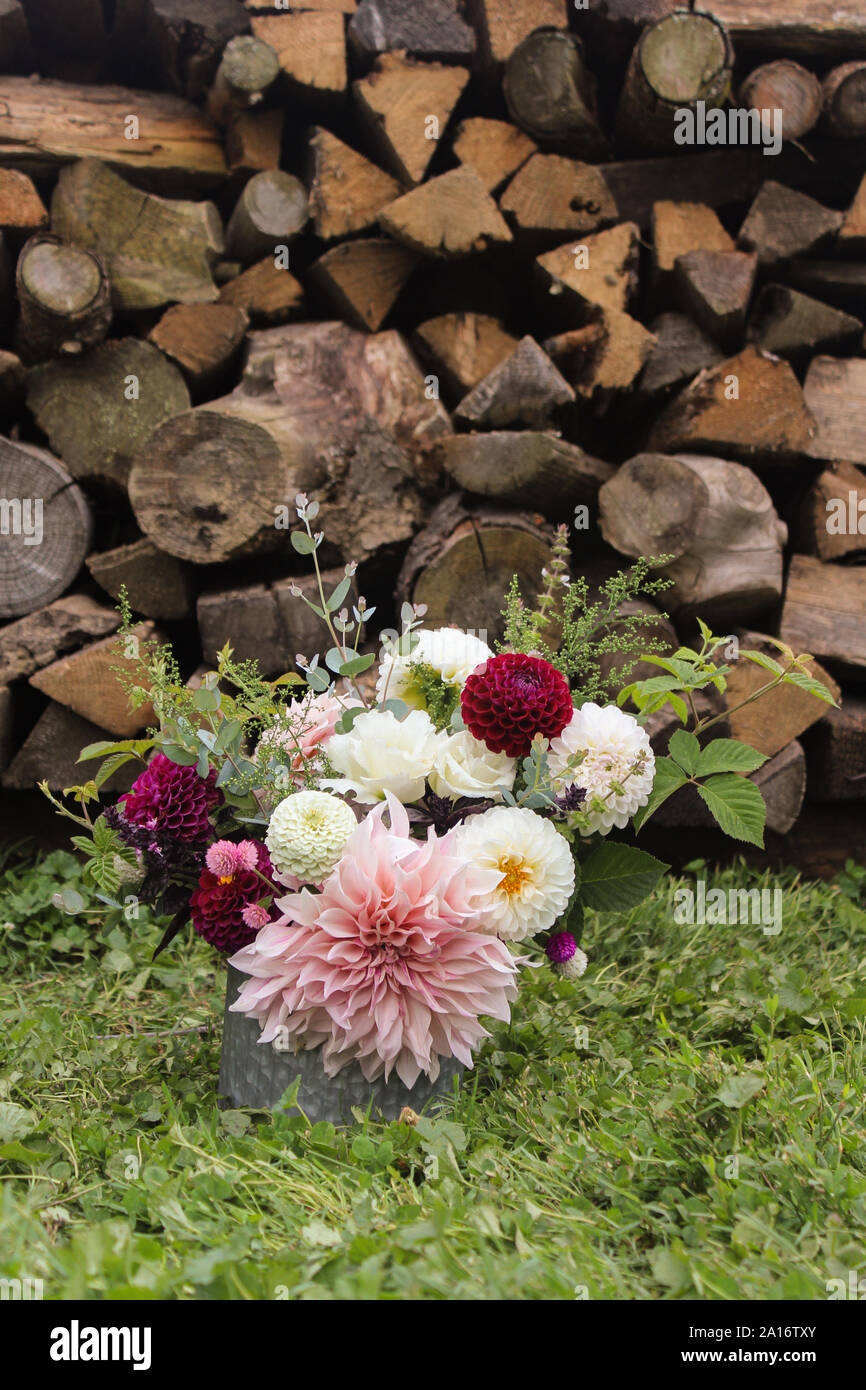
pixel 560 947
pixel 511 698
pixel 217 905
pixel 172 800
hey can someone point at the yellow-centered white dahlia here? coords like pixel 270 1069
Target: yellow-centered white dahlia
pixel 307 834
pixel 382 753
pixel 535 864
pixel 466 767
pixel 616 769
pixel 453 654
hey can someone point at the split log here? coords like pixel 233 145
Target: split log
pixel 836 752
pixel 852 233
pixel 203 339
pixel 601 270
pixel 50 754
pixel 825 613
pixel 271 212
pixel 750 406
pixel 606 355
pixel 715 288
pixel 795 326
pixel 42 636
pixel 844 96
pixel 266 292
pixel 87 682
pixel 249 620
pixel 552 95
pixel 157 585
pixel 524 389
pixel 677 229
pixel 554 194
pixel 781 782
pixel 679 61
pixel 347 191
pixel 364 279
pixel 372 506
pixel 463 348
pixel 7 711
pixel 44 125
pixel 681 351
pixel 46 527
pixel 807 27
pixel 714 517
pixel 22 211
pixel 247 69
pixel 98 409
pixel 494 149
pixel 311 47
pixel 406 106
pixel 783 223
pixel 463 561
pixel 787 87
pixel 835 393
pixel 839 282
pixel 502 25
pixel 254 142
pixel 15 54
pixel 525 468
pixel 64 299
pixel 12 376
pixel 432 30
pixel 187 38
pixel 157 250
pixel 779 716
pixel 832 522
pixel 452 215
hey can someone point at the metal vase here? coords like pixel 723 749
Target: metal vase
pixel 256 1075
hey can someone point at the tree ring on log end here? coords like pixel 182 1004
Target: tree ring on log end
pixel 63 279
pixel 45 529
pixel 689 68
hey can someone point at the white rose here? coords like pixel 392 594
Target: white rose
pixel 454 654
pixel 466 767
pixel 384 754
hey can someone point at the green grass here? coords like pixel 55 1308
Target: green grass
pixel 629 1162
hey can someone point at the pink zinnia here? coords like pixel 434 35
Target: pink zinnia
pixel 382 966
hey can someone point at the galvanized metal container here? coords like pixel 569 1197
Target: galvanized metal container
pixel 257 1075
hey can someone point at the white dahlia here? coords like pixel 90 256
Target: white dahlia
pixel 466 767
pixel 307 834
pixel 450 652
pixel 616 752
pixel 382 753
pixel 536 867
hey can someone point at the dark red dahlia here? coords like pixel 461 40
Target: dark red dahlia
pixel 511 698
pixel 172 800
pixel 217 904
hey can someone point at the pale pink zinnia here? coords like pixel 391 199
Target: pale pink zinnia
pixel 382 966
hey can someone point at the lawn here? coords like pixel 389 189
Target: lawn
pixel 687 1121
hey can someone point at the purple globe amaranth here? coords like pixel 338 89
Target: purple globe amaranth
pixel 561 946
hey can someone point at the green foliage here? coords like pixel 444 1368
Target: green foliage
pixel 440 698
pixel 735 803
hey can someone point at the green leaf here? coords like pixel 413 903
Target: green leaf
pixel 110 766
pixel 302 543
pixel 737 1091
pixel 808 683
pixel 339 595
pixel 182 756
pixel 136 746
pixel 616 877
pixel 15 1121
pixel 761 659
pixel 685 750
pixel 347 719
pixel 206 700
pixel 728 755
pixel 669 777
pixel 737 805
pixel 229 734
pixel 356 664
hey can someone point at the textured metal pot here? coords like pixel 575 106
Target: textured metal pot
pixel 254 1074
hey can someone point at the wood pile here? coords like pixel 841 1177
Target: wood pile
pixel 450 267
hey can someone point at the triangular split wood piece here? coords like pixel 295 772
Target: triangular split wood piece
pixel 526 389
pixel 600 270
pixel 364 278
pixel 347 191
pixel 452 215
pixel 406 106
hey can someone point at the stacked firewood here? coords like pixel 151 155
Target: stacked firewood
pixel 455 269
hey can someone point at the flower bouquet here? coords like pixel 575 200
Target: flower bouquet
pixel 379 852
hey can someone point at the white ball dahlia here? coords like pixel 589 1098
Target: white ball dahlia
pixel 307 834
pixel 452 653
pixel 536 867
pixel 382 753
pixel 466 767
pixel 617 751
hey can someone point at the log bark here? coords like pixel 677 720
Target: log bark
pixel 15 50
pixel 524 389
pixel 204 340
pixel 839 282
pixel 363 279
pixel 715 288
pixel 249 620
pixel 836 752
pixel 254 142
pixel 835 393
pixel 46 526
pixel 805 27
pixel 247 69
pixel 463 561
pixel 50 754
pixel 394 102
pixel 41 637
pixel 98 409
pixel 832 519
pixel 714 517
pixel 271 212
pixel 22 211
pixel 87 682
pixel 749 406
pixel 678 61
pixel 187 38
pixel 825 613
pixel 158 250
pixel 852 234
pixel 157 585
pixel 269 294
pixel 64 299
pixel 607 355
pixel 677 229
pixel 795 326
pixel 347 191
pixel 787 87
pixel 783 223
pixel 845 100
pixel 551 94
pixel 494 149
pixel 556 195
pixel 525 468
pixel 681 351
pixel 463 348
pixel 433 30
pixel 452 215
pixel 502 25
pixel 779 716
pixel 311 47
pixel 44 125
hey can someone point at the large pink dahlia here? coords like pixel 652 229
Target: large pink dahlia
pixel 511 698
pixel 382 966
